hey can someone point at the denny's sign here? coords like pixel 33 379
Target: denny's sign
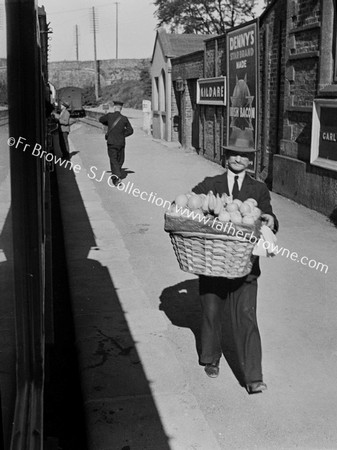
pixel 242 64
pixel 211 91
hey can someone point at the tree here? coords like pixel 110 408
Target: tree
pixel 203 16
pixel 145 79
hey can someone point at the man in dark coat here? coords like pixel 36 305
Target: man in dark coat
pixel 229 305
pixel 64 129
pixel 119 128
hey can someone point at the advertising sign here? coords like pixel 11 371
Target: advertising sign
pixel 242 66
pixel 146 105
pixel 323 152
pixel 211 91
pixel 328 134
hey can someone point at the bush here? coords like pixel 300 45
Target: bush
pixel 89 97
pixel 3 93
pixel 131 92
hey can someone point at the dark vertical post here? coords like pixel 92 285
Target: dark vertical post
pixel 76 33
pixel 278 86
pixel 215 108
pixel 26 113
pixel 116 3
pixel 95 53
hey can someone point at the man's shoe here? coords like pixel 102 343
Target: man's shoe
pixel 117 181
pixel 212 370
pixel 256 387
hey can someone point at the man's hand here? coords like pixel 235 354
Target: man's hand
pixel 269 221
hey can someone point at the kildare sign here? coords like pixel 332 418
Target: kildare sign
pixel 211 91
pixel 242 66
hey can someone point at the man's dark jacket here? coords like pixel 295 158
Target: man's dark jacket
pixel 250 188
pixel 117 135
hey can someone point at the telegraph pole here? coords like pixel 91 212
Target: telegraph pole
pixel 2 15
pixel 76 38
pixel 94 24
pixel 116 3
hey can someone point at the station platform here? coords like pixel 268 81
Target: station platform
pixel 136 314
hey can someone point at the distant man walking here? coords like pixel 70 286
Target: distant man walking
pixel 119 128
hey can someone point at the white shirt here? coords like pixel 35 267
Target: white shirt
pixel 231 179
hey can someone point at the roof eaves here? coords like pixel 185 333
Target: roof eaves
pixel 214 37
pixel 176 58
pixel 267 9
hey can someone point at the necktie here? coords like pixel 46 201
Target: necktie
pixel 235 191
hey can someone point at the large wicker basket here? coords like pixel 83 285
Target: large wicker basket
pixel 213 254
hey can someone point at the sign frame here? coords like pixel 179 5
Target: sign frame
pixel 315 159
pixel 210 81
pixel 243 88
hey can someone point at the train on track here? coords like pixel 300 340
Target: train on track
pixel 74 97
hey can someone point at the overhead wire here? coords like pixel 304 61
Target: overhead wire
pixel 78 9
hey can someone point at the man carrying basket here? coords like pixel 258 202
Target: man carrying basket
pixel 229 305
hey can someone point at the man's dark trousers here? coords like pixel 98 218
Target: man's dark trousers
pixel 231 304
pixel 64 144
pixel 116 156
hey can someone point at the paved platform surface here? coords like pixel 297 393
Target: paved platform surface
pixel 137 315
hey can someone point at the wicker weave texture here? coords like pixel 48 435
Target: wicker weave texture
pixel 213 255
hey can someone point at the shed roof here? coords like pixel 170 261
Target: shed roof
pixel 174 45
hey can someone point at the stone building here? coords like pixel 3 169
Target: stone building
pixel 166 47
pixel 280 96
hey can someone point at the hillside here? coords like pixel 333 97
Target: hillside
pixel 125 79
pixel 82 74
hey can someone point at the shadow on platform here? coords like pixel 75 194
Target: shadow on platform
pixel 7 336
pixel 182 306
pixel 119 407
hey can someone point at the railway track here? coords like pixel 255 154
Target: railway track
pixel 3 118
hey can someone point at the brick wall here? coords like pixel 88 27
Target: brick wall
pixel 189 68
pixel 213 129
pixel 174 112
pixel 295 67
pixel 210 62
pixel 294 176
pixel 221 63
pixel 302 61
pixel 272 44
pixel 188 114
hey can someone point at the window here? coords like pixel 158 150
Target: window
pixel 162 91
pixel 155 94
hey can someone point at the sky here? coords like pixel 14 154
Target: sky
pixel 136 28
